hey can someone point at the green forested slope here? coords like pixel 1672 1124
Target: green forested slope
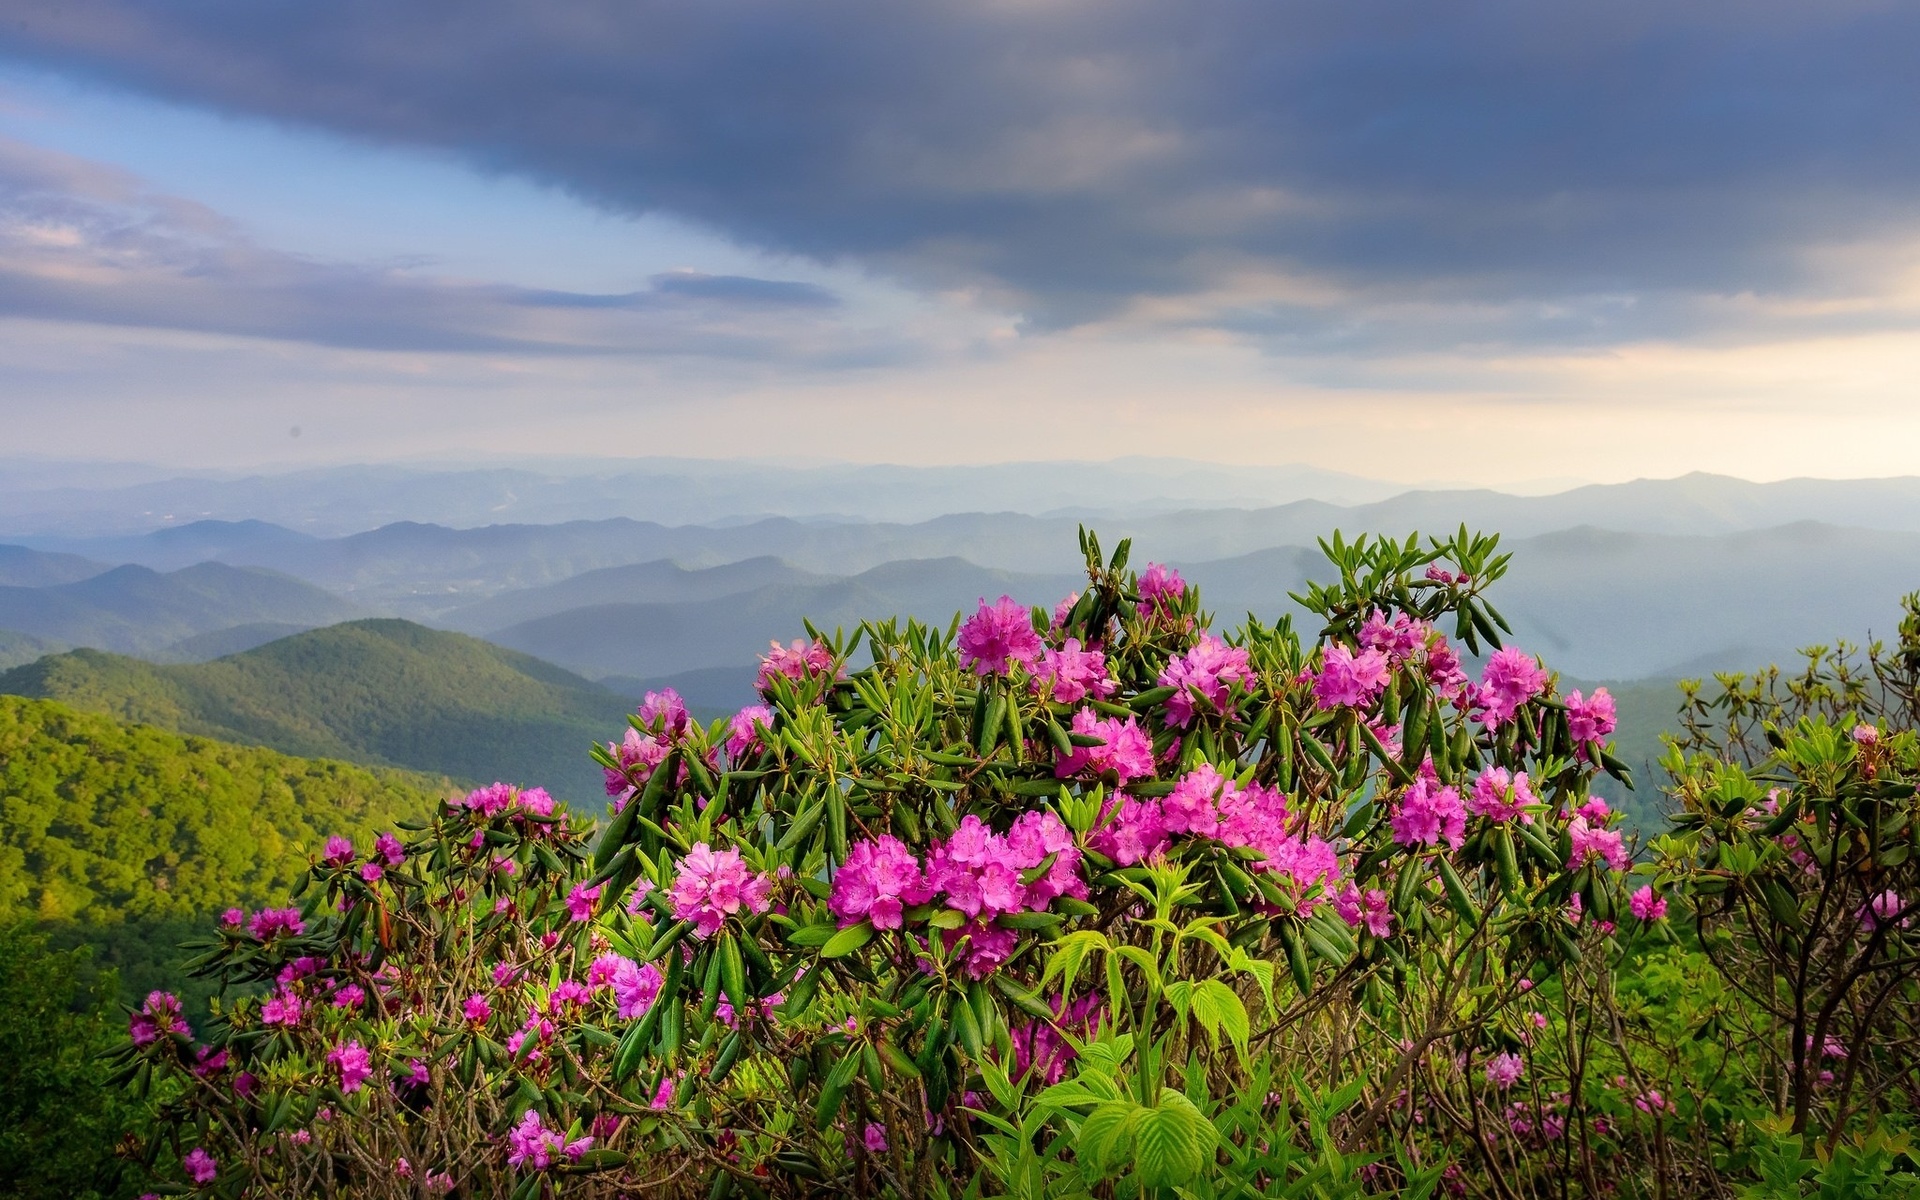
pixel 102 820
pixel 125 836
pixel 386 692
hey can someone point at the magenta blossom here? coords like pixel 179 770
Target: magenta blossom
pixel 1595 844
pixel 638 755
pixel 270 923
pixel 1069 675
pixel 1369 909
pixel 1505 1070
pixel 664 713
pixel 581 899
pixel 1647 904
pixel 1125 749
pixel 1160 587
pixel 743 731
pixel 531 1144
pixel 1502 795
pixel 799 662
pixel 879 879
pixel 712 886
pixel 159 1017
pixel 1131 830
pixel 1204 672
pixel 1350 680
pixel 1590 719
pixel 476 1009
pixel 635 987
pixel 1399 639
pixel 1429 814
pixel 200 1166
pixel 1511 679
pixel 339 851
pixel 353 1063
pixel 998 636
pixel 389 849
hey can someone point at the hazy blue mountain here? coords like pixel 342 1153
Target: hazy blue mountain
pixel 21 567
pixel 661 638
pixel 135 609
pixel 709 691
pixel 39 498
pixel 205 647
pixel 18 648
pixel 639 583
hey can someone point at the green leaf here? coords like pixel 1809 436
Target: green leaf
pixel 1172 1142
pixel 847 940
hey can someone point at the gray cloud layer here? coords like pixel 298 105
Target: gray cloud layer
pixel 81 242
pixel 1073 157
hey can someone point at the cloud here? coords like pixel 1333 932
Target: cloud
pixel 82 242
pixel 1524 166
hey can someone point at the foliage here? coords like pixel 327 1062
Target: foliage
pixel 1048 904
pixel 120 835
pixel 379 692
pixel 58 1119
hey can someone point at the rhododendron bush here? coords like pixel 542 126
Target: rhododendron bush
pixel 1091 899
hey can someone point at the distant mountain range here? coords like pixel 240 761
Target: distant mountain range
pixel 382 692
pixel 138 610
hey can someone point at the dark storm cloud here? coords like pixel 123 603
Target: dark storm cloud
pixel 1071 156
pixel 85 243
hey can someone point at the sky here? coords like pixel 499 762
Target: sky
pixel 1492 241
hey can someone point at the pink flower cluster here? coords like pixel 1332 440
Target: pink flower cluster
pixel 1647 904
pixel 638 755
pixel 159 1017
pixel 531 1144
pixel 713 885
pixel 1505 1070
pixel 1502 795
pixel 354 1064
pixel 1039 1047
pixel 799 662
pixel 635 986
pixel 1399 639
pixel 1429 814
pixel 1369 909
pixel 1350 680
pixel 1511 679
pixel 1203 673
pixel 1069 675
pixel 1590 718
pixel 664 713
pixel 1883 911
pixel 1125 751
pixel 1595 843
pixel 1160 587
pixel 998 636
pixel 879 880
pixel 743 733
pixel 497 798
pixel 270 923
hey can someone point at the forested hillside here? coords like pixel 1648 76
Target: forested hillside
pixel 122 834
pixel 381 692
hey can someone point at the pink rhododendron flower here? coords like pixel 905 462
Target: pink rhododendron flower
pixel 581 899
pixel 1647 905
pixel 664 713
pixel 1307 868
pixel 489 801
pixel 1063 610
pixel 1429 814
pixel 281 1008
pixel 1594 844
pixel 713 885
pixel 1866 735
pixel 1190 808
pixel 531 1144
pixel 1160 587
pixel 1369 909
pixel 635 987
pixel 270 923
pixel 1132 830
pixel 1038 1046
pixel 476 1008
pixel 354 1065
pixel 998 636
pixel 350 995
pixel 798 662
pixel 1204 671
pixel 535 800
pixel 1505 1070
pixel 1511 679
pixel 233 918
pixel 1883 910
pixel 1502 795
pixel 638 755
pixel 637 899
pixel 372 872
pixel 157 1018
pixel 878 880
pixel 1443 669
pixel 200 1166
pixel 874 1138
pixel 1070 674
pixel 743 733
pixel 1348 679
pixel 1399 639
pixel 339 851
pixel 1590 719
pixel 389 849
pixel 1125 749
pixel 208 1062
